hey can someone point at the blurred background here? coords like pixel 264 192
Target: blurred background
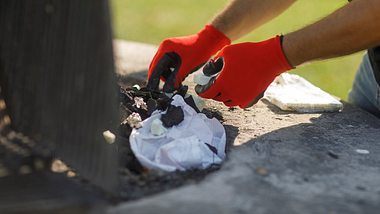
pixel 151 21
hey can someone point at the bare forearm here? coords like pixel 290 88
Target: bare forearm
pixel 350 29
pixel 243 16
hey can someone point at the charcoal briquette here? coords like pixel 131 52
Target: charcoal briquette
pixel 152 106
pixel 190 101
pixel 182 90
pixel 163 103
pixel 173 116
pixel 125 130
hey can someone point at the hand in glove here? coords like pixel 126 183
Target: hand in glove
pixel 178 57
pixel 246 70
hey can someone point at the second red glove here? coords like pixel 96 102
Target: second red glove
pixel 247 69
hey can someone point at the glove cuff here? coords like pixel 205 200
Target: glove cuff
pixel 283 61
pixel 216 39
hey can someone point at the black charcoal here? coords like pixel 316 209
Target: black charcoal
pixel 182 90
pixel 163 103
pixel 152 106
pixel 212 148
pixel 173 116
pixel 190 101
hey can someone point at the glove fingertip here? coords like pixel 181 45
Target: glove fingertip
pixel 154 62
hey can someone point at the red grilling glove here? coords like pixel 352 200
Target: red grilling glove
pixel 247 69
pixel 186 54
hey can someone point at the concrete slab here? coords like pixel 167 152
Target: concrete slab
pixel 280 163
pixel 132 61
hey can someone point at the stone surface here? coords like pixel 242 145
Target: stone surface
pixel 46 193
pixel 279 162
pixel 132 61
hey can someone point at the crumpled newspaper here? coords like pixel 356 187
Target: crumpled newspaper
pixel 197 142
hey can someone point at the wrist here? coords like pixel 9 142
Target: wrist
pixel 279 56
pixel 214 36
pixel 292 52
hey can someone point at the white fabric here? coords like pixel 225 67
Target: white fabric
pixel 183 146
pixel 291 92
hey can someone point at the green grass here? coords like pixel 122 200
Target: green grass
pixel 151 21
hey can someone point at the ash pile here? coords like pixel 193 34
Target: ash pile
pixel 166 140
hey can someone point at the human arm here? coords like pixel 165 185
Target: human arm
pixel 237 19
pixel 352 28
pixel 242 16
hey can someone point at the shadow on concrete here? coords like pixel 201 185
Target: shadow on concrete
pixel 231 134
pixel 305 168
pixel 351 126
pixel 314 167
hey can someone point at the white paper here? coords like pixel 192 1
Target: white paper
pixel 183 146
pixel 291 92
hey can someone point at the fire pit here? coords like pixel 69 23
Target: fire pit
pixel 137 104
